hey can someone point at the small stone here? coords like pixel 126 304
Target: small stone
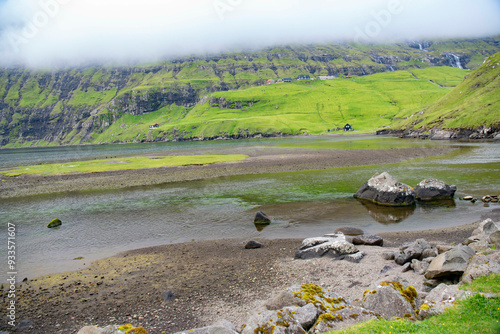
pixel 354 258
pixel 486 199
pixel 389 255
pixel 168 295
pixel 253 245
pixel 429 252
pixel 369 240
pixel 468 198
pixel 388 267
pixel 406 267
pixel 54 223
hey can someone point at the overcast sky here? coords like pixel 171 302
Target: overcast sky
pixel 74 32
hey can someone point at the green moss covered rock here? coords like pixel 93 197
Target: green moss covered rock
pixel 55 223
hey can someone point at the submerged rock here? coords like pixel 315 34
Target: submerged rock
pixel 434 189
pixel 383 189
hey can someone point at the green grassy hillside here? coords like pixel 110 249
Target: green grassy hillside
pixel 101 103
pixel 474 103
pixel 313 107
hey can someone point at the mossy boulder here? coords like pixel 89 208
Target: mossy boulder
pixel 55 223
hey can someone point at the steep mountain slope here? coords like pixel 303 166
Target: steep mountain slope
pixel 74 106
pixel 302 107
pixel 472 105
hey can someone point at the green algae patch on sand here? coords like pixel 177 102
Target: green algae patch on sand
pixel 119 164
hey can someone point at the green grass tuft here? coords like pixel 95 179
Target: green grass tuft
pixel 477 314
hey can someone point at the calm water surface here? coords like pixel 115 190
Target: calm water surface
pixel 303 204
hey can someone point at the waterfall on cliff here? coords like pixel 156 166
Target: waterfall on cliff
pixel 454 60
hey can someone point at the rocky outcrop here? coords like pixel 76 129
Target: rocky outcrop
pixel 434 189
pixel 481 132
pixel 335 246
pixel 452 263
pixel 384 189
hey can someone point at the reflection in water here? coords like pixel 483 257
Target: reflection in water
pixel 260 227
pixel 387 214
pixel 432 205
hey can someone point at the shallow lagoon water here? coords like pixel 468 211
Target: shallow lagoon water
pixel 303 204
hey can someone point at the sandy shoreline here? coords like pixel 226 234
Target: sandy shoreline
pixel 261 160
pixel 212 280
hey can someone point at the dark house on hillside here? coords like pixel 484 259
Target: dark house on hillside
pixel 154 126
pixel 304 77
pixel 348 127
pixel 287 79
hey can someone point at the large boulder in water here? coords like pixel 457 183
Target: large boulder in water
pixel 433 189
pixel 383 189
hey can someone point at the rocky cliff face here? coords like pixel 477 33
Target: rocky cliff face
pixel 70 105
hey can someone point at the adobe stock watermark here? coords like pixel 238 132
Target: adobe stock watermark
pixel 381 19
pixel 49 9
pixel 224 6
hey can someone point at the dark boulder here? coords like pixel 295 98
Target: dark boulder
pixel 433 189
pixel 261 219
pixel 383 189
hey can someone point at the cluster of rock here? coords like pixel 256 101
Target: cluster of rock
pixel 311 309
pixel 484 199
pixel 384 189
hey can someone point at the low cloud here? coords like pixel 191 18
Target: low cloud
pixel 42 33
